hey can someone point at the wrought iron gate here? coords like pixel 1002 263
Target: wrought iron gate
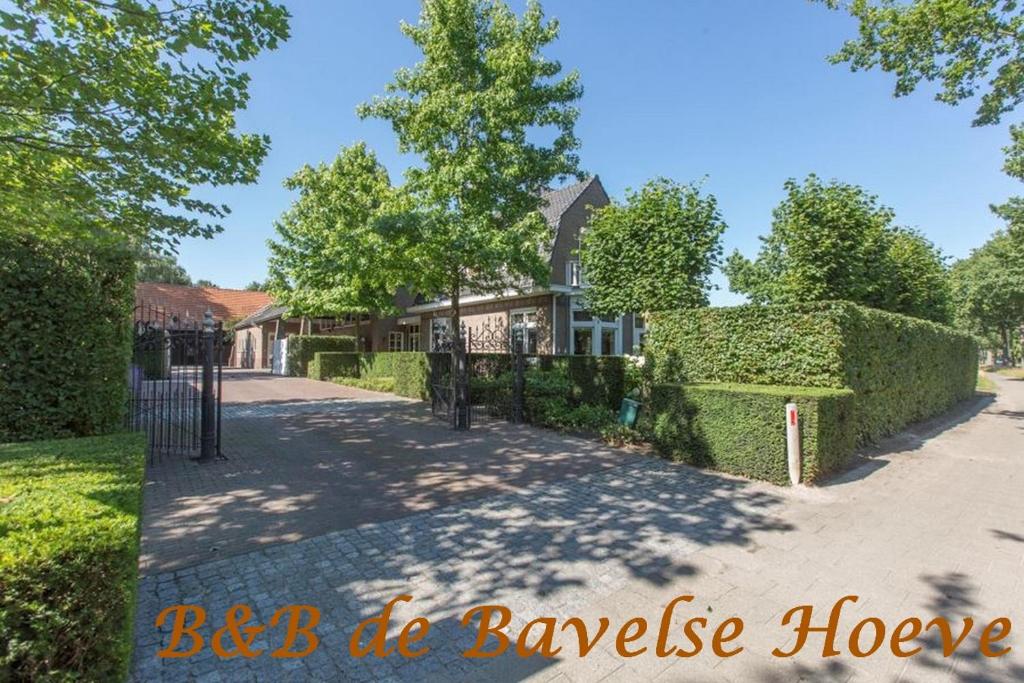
pixel 481 375
pixel 175 383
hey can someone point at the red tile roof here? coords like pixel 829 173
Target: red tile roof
pixel 191 302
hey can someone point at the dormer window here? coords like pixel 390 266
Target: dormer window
pixel 574 274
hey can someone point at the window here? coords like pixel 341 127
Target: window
pixel 639 334
pixel 583 341
pixel 395 340
pixel 608 335
pixel 440 333
pixel 593 335
pixel 573 274
pixel 414 337
pixel 524 329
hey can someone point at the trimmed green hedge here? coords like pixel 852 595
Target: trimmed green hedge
pixel 595 380
pixel 65 337
pixel 741 429
pixel 69 550
pixel 330 364
pixel 302 348
pixel 408 370
pixel 901 369
pixel 383 384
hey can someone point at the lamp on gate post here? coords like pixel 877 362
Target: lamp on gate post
pixel 208 420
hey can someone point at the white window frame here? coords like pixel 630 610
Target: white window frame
pixel 574 274
pixel 414 337
pixel 392 336
pixel 527 326
pixel 596 326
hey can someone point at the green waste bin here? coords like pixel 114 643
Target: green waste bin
pixel 628 412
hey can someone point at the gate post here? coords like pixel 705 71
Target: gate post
pixel 460 385
pixel 208 419
pixel 518 382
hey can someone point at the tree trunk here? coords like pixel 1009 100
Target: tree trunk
pixel 1004 334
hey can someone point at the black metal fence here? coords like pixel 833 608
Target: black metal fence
pixel 175 383
pixel 479 374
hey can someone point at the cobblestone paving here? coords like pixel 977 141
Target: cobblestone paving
pixel 331 406
pixel 932 527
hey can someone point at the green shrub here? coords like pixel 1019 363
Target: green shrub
pixel 331 364
pixel 408 371
pixel 302 348
pixel 69 548
pixel 741 429
pixel 596 380
pixel 901 369
pixel 558 413
pixel 65 337
pixel 383 384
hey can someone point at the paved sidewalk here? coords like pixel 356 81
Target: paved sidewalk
pixel 932 527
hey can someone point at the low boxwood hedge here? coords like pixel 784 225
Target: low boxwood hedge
pixel 741 429
pixel 383 384
pixel 901 369
pixel 408 370
pixel 302 348
pixel 69 548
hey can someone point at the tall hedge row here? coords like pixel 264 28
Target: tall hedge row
pixel 65 337
pixel 901 369
pixel 302 348
pixel 741 428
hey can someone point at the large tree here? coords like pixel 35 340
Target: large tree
pixel 654 252
pixel 492 124
pixel 835 241
pixel 988 292
pixel 973 49
pixel 112 111
pixel 154 266
pixel 332 255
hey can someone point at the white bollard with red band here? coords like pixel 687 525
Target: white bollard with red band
pixel 793 442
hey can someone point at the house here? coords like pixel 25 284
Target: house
pixel 549 320
pixel 167 305
pixel 191 303
pixel 255 335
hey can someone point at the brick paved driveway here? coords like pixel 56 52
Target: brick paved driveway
pixel 300 468
pixel 929 525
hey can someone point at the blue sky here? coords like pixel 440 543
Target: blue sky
pixel 739 91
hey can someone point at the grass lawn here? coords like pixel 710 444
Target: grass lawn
pixel 69 549
pixel 985 384
pixel 1014 373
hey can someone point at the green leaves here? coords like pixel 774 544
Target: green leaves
pixel 655 252
pixel 988 290
pixel 65 336
pixel 113 112
pixel 493 128
pixel 972 49
pixel 834 241
pixel 902 369
pixel 336 252
pixel 69 553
